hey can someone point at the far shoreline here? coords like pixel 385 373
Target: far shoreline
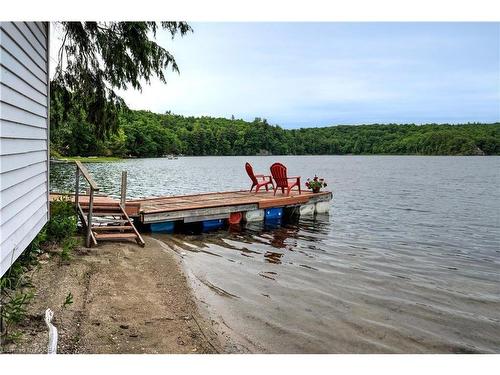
pixel 112 159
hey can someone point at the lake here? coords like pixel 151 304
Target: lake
pixel 407 261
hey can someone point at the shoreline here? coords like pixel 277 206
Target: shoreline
pixel 113 159
pixel 230 341
pixel 126 299
pixel 87 159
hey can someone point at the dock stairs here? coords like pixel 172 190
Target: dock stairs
pixel 104 220
pixel 109 222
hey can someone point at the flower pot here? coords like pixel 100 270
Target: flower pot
pixel 316 190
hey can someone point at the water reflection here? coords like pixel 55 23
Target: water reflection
pixel 273 257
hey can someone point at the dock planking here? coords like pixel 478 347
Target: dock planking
pixel 201 206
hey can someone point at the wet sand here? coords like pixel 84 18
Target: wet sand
pixel 127 299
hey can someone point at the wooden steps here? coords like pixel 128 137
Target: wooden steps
pixel 114 236
pixel 111 223
pixel 104 214
pixel 99 228
pixel 110 220
pixel 105 209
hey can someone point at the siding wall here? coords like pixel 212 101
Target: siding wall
pixel 24 134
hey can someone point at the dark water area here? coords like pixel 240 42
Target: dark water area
pixel 407 261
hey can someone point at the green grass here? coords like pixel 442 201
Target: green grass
pixel 90 159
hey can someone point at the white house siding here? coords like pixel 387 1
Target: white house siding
pixel 24 134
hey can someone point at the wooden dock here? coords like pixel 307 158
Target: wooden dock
pixel 199 207
pixel 106 218
pixel 207 206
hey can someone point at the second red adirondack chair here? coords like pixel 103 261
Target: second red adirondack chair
pixel 265 180
pixel 278 171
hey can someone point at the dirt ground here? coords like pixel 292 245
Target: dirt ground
pixel 126 299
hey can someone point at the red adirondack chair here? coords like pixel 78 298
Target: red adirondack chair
pixel 265 180
pixel 278 171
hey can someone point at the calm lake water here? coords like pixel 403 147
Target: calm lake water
pixel 407 261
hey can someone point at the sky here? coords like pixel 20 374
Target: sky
pixel 320 74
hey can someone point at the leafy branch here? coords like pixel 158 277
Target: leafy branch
pixel 97 58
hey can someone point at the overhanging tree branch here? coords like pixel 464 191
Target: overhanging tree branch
pixel 101 57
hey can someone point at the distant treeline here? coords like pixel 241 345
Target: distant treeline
pixel 147 134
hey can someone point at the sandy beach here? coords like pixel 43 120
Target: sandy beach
pixel 126 299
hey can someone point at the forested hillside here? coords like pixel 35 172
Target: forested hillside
pixel 146 134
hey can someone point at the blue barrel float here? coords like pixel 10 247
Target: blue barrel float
pixel 273 214
pixel 208 225
pixel 165 227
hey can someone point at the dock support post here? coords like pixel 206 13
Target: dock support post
pixel 89 218
pixel 77 187
pixel 123 193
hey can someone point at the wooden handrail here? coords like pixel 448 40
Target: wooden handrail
pixel 80 168
pixel 87 175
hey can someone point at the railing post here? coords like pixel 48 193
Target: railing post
pixel 123 193
pixel 77 187
pixel 89 218
pixel 93 188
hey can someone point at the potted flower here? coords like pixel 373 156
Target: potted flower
pixel 316 184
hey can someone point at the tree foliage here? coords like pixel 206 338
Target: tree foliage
pixel 97 58
pixel 147 134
